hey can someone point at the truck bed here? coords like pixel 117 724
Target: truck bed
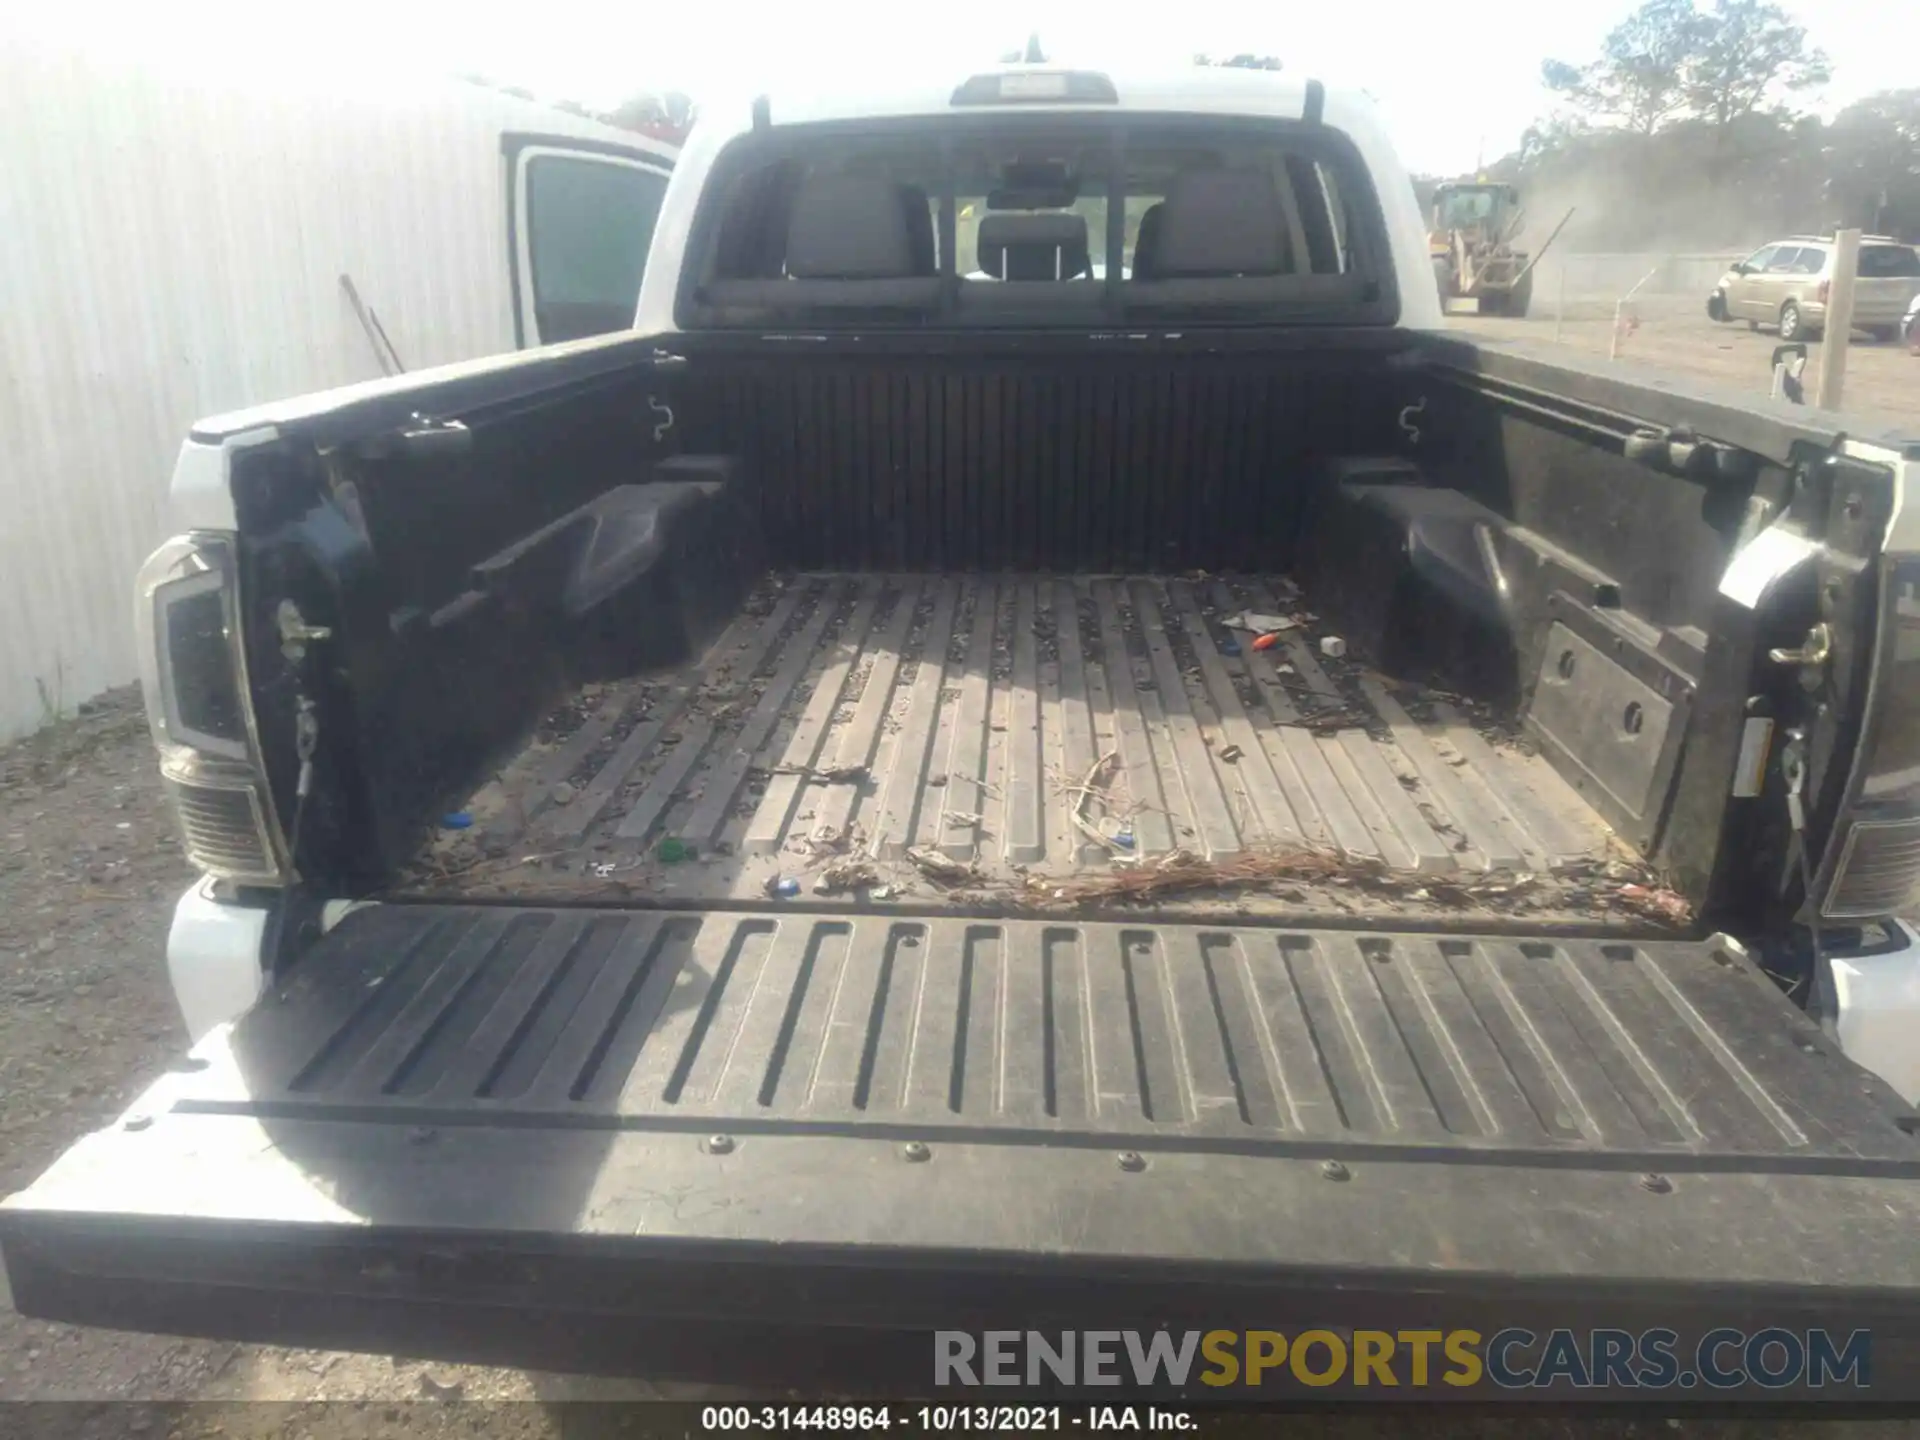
pixel 1033 741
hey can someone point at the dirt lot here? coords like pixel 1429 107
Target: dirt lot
pixel 88 874
pixel 1677 335
pixel 89 871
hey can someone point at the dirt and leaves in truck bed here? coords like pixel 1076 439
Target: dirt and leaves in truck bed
pixel 1201 745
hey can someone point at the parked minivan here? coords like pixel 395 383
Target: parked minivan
pixel 1786 283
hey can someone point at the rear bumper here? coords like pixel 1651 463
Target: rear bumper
pixel 1875 1005
pixel 215 958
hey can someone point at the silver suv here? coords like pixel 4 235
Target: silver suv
pixel 1786 284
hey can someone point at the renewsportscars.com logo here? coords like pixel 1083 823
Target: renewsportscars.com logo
pixel 1510 1359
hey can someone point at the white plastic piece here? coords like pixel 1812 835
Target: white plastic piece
pixel 1260 624
pixel 1750 770
pixel 214 959
pixel 1333 647
pixel 332 912
pixel 1878 1012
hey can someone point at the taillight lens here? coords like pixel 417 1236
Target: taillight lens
pixel 1878 870
pixel 193 671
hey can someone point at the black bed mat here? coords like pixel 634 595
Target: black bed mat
pixel 1029 732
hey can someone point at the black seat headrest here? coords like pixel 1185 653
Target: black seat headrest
pixel 1034 247
pixel 849 227
pixel 1221 223
pixel 1146 242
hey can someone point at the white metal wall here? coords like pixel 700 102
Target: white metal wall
pixel 1609 275
pixel 171 247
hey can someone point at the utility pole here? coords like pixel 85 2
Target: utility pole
pixel 1832 372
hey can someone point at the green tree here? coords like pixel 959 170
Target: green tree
pixel 1746 55
pixel 1873 162
pixel 1639 81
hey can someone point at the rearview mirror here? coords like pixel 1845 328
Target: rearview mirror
pixel 1740 268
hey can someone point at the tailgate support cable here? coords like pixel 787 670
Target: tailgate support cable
pixel 276 945
pixel 306 740
pixel 1793 768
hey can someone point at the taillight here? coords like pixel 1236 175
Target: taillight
pixel 1878 869
pixel 1821 293
pixel 193 670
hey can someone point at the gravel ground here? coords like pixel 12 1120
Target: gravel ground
pixel 1882 380
pixel 89 871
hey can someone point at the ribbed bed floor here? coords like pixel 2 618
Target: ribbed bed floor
pixel 1022 726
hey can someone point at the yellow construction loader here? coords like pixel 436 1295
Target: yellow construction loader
pixel 1471 244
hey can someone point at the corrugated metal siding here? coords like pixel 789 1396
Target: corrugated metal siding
pixel 1609 276
pixel 173 249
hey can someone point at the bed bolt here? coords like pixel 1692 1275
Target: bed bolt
pixel 1334 1170
pixel 1656 1184
pixel 915 1151
pixel 717 1144
pixel 1131 1161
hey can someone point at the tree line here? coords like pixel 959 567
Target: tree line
pixel 1686 131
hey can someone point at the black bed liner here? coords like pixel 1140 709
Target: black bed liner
pixel 850 720
pixel 765 1118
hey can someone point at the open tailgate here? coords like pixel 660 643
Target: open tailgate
pixel 689 1143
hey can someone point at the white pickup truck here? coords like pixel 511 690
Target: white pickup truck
pixel 1038 745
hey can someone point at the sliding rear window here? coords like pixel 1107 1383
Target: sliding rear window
pixel 1039 222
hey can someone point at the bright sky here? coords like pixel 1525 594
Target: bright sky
pixel 1454 81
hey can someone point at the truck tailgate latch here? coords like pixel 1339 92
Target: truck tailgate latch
pixel 1814 650
pixel 295 633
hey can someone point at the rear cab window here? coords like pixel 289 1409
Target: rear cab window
pixel 1055 220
